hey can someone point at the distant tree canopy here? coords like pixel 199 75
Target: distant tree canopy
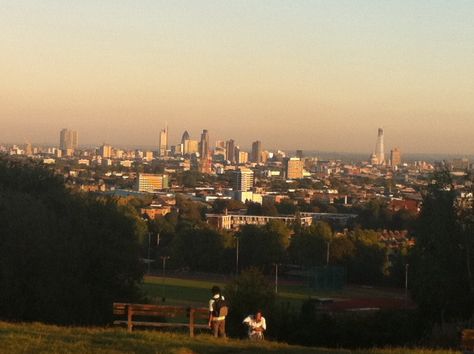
pixel 64 258
pixel 376 215
pixel 262 246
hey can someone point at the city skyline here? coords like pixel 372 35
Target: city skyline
pixel 305 75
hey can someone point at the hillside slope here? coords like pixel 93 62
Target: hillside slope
pixel 40 338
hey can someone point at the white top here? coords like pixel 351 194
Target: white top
pixel 211 307
pixel 253 324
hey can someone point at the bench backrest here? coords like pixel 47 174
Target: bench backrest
pixel 120 308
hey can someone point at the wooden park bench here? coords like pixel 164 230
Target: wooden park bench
pixel 467 341
pixel 157 316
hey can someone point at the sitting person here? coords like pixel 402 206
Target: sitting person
pixel 256 324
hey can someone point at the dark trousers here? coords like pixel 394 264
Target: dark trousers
pixel 218 328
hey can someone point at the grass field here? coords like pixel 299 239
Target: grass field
pixel 40 338
pixel 179 291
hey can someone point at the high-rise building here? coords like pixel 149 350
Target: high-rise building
pixel 185 137
pixel 164 141
pixel 379 148
pixel 242 179
pixel 243 157
pixel 230 150
pixel 294 168
pixel 148 182
pixel 299 154
pixel 257 151
pixel 395 157
pixel 265 155
pixel 105 151
pixel 204 145
pixel 68 139
pixel 191 147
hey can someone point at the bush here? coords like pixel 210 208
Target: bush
pixel 248 293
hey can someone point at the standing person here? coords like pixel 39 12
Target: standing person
pixel 217 312
pixel 256 324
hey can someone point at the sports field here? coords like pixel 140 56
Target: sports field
pixel 196 291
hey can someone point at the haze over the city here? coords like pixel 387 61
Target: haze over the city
pixel 315 75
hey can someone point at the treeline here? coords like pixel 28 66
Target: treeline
pixel 64 257
pixel 195 246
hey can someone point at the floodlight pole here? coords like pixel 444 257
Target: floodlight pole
pixel 276 278
pixel 149 261
pixel 237 256
pixel 164 258
pixel 406 284
pixel 327 252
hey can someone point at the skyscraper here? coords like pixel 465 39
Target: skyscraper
pixel 204 145
pixel 205 163
pixel 185 137
pixel 68 141
pixel 230 150
pixel 257 151
pixel 379 148
pixel 164 141
pixel 105 151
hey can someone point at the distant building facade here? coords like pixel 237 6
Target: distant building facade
pixel 395 157
pixel 105 151
pixel 242 179
pixel 148 182
pixel 294 168
pixel 235 221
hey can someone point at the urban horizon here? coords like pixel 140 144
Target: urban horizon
pixel 290 151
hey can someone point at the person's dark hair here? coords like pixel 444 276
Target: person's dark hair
pixel 215 290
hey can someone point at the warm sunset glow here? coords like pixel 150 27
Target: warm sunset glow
pixel 318 75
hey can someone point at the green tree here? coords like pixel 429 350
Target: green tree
pixel 309 246
pixel 262 246
pixel 200 249
pixel 64 258
pixel 438 272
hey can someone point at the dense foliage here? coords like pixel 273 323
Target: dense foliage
pixel 64 258
pixel 441 261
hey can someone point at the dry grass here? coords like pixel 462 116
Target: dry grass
pixel 40 338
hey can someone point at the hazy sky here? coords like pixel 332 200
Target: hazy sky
pixel 316 75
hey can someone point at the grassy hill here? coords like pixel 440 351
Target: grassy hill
pixel 40 338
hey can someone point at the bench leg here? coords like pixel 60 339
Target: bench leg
pixel 191 323
pixel 129 319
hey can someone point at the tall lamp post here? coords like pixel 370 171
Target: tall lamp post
pixel 237 255
pixel 406 284
pixel 327 252
pixel 276 277
pixel 148 256
pixel 164 258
